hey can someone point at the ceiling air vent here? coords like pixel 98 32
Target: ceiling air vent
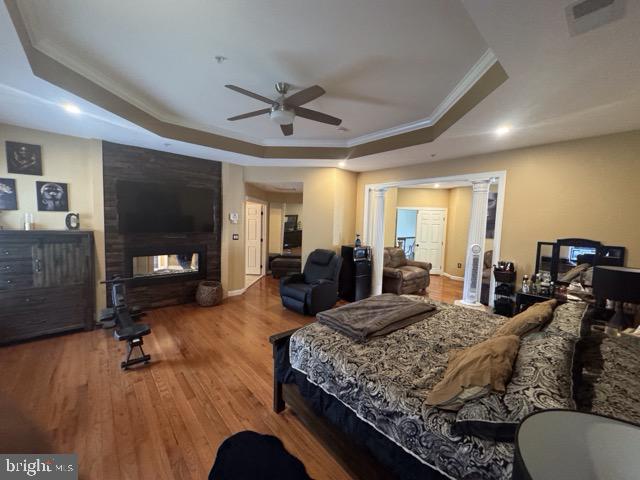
pixel 586 15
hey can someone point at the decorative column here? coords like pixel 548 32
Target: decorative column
pixel 475 245
pixel 377 240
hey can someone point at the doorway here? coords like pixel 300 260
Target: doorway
pixel 430 237
pixel 463 233
pixel 421 233
pixel 254 243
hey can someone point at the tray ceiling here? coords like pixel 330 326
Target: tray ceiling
pixel 384 64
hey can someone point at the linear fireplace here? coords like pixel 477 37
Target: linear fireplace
pixel 147 266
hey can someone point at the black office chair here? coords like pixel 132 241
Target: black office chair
pixel 316 289
pixel 121 316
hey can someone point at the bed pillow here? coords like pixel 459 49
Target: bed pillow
pixel 541 379
pixel 475 372
pixel 567 320
pixel 533 318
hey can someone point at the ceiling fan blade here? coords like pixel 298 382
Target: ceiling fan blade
pixel 287 129
pixel 250 94
pixel 317 116
pixel 304 96
pixel 250 114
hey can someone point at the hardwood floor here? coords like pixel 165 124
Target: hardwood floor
pixel 210 376
pixel 444 289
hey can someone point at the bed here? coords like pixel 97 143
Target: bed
pixel 366 402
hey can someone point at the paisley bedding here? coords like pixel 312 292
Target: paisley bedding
pixel 541 380
pixel 386 382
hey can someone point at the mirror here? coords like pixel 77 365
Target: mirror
pixel 544 257
pixel 292 229
pixel 162 265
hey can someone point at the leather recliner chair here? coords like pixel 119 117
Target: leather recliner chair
pixel 316 288
pixel 401 276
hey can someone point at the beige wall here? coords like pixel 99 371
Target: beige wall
pixel 232 251
pixel 327 210
pixel 457 230
pixel 423 197
pixel 580 188
pixel 276 218
pixel 390 216
pixel 71 160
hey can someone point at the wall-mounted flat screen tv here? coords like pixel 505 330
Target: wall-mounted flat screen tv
pixel 163 208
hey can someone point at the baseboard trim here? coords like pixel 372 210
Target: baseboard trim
pixel 453 277
pixel 235 293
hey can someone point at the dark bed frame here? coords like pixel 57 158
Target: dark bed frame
pixel 358 462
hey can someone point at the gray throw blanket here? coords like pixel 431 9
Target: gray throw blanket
pixel 375 316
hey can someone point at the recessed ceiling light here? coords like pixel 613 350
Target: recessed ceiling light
pixel 437 185
pixel 342 163
pixel 503 130
pixel 71 108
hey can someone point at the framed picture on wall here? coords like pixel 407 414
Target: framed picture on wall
pixel 24 158
pixel 491 214
pixel 8 194
pixel 52 196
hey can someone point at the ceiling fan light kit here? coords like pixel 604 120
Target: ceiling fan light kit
pixel 282 116
pixel 284 109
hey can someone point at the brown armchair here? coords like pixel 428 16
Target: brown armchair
pixel 400 275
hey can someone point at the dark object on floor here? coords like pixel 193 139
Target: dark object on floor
pixel 401 276
pixel 375 316
pixel 209 293
pixel 121 317
pixel 284 265
pixel 252 456
pixel 355 275
pixel 316 289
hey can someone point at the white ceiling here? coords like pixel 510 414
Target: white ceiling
pixel 383 63
pixel 559 87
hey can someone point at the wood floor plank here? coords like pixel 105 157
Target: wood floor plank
pixel 210 376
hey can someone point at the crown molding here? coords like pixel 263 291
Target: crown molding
pixel 483 78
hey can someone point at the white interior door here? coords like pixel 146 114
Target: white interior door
pixel 430 235
pixel 254 239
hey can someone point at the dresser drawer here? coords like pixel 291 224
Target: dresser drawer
pixel 23 267
pixel 15 251
pixel 11 281
pixel 31 313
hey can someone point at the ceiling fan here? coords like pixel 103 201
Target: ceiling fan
pixel 284 109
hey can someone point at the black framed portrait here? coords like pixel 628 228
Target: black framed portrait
pixel 24 158
pixel 8 194
pixel 52 196
pixel 491 214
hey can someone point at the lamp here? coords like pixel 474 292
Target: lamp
pixel 620 284
pixel 282 116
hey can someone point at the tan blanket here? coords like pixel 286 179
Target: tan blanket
pixel 375 316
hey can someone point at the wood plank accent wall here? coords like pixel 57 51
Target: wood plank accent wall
pixel 144 165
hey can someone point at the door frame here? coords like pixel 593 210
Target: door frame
pixel 263 233
pixel 499 177
pixel 445 210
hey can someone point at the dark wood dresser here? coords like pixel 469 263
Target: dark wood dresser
pixel 47 283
